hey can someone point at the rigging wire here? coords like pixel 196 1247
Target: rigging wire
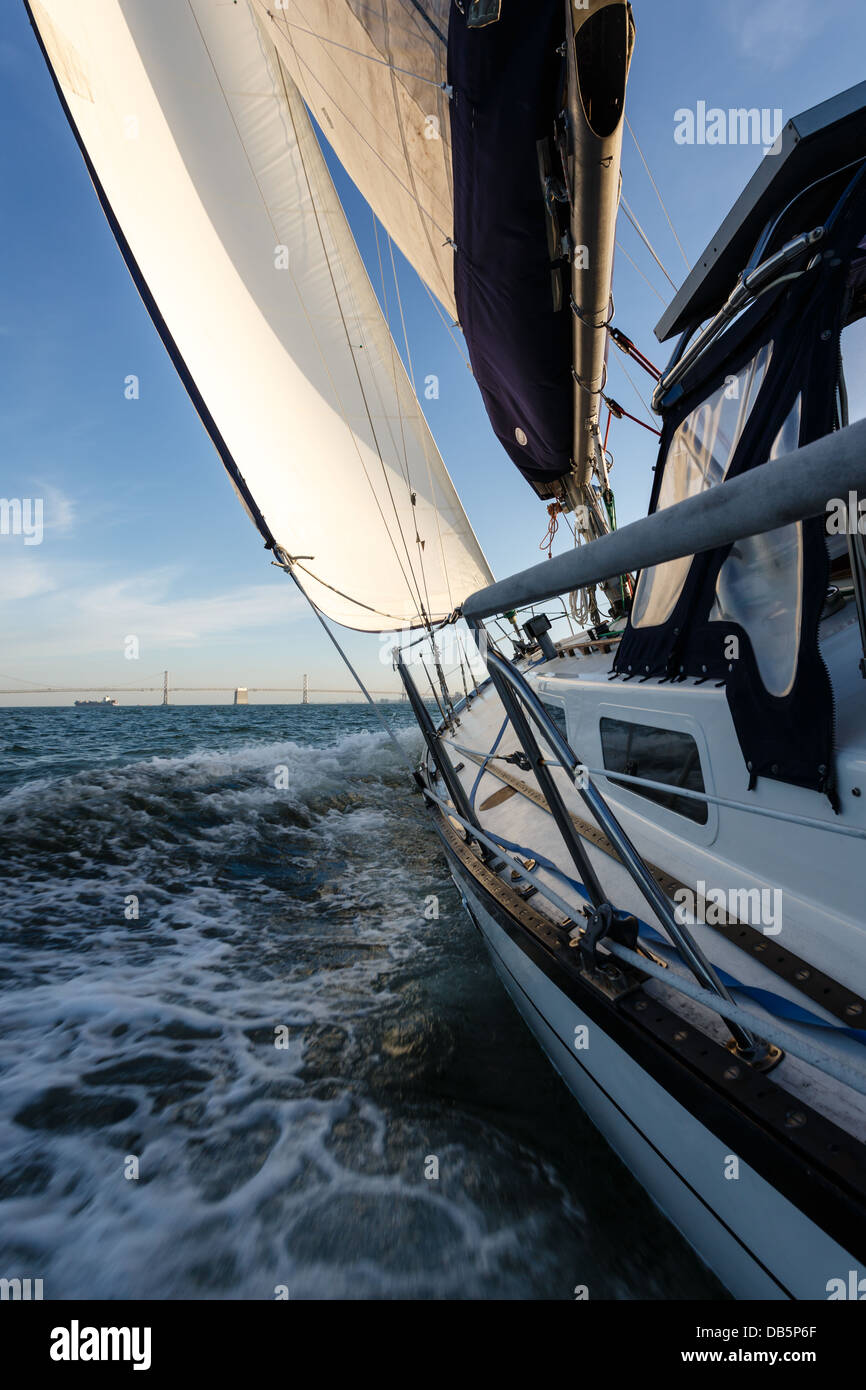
pixel 406 476
pixel 636 389
pixel 424 436
pixel 286 564
pixel 462 672
pixel 450 327
pixel 463 653
pixel 619 411
pixel 433 688
pixel 424 443
pixel 658 193
pixel 645 239
pixel 631 259
pixel 402 318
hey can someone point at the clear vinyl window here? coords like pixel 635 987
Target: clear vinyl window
pixel 660 755
pixel 698 458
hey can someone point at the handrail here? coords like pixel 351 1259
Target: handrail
pixel 854 832
pixel 777 493
pixel 749 286
pixel 502 671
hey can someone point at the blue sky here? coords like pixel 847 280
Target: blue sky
pixel 143 534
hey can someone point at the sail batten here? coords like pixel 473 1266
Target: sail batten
pixel 209 168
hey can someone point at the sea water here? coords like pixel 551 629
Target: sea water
pixel 250 1043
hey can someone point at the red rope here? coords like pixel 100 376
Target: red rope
pixel 626 345
pixel 553 511
pixel 628 415
pixel 620 412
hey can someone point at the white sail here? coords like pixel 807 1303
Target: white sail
pixel 209 168
pixel 373 74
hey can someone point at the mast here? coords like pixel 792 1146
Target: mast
pixel 599 45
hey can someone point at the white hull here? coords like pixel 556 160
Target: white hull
pixel 758 1243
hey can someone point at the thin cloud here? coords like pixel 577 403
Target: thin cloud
pixel 73 618
pixel 775 32
pixel 59 509
pixel 22 577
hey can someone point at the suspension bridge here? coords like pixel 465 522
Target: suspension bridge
pixel 240 693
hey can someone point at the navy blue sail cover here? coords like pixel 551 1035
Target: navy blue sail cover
pixel 508 81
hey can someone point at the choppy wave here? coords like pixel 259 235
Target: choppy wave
pixel 280 886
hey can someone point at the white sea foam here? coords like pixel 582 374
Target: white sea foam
pixel 154 1038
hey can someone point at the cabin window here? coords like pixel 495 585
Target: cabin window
pixel 557 715
pixel 760 586
pixel 660 755
pixel 698 458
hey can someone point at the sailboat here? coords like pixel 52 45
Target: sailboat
pixel 655 815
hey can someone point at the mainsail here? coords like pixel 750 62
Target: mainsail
pixel 209 169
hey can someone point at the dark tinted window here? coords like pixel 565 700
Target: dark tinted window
pixel 660 755
pixel 557 714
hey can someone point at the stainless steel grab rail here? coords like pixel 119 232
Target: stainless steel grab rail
pixel 778 492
